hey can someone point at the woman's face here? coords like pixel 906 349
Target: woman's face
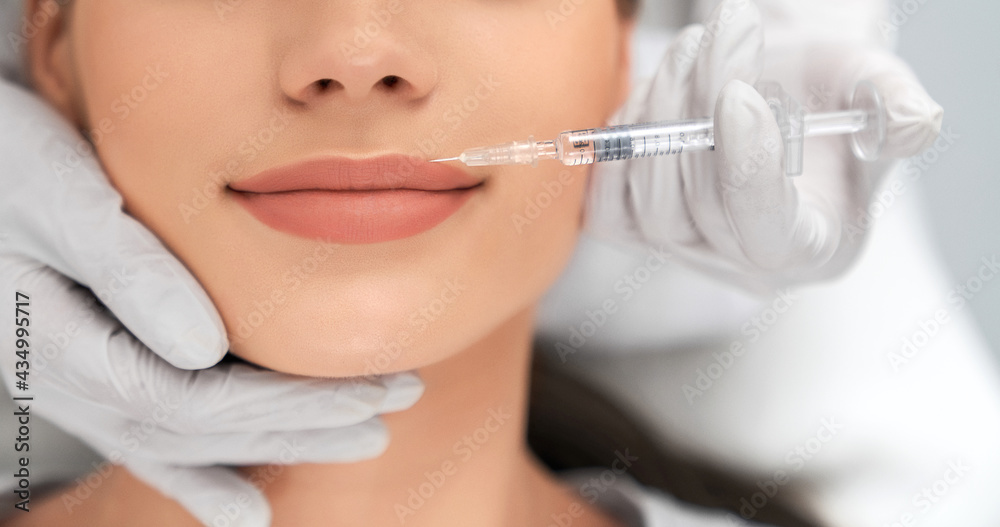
pixel 187 101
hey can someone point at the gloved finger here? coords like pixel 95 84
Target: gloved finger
pixel 403 390
pixel 213 495
pixel 120 260
pixel 732 49
pixel 346 444
pixel 679 200
pixel 638 200
pixel 664 96
pixel 913 118
pixel 773 222
pixel 737 53
pixel 236 397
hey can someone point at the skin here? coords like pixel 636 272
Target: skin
pixel 222 78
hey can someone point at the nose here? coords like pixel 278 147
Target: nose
pixel 355 54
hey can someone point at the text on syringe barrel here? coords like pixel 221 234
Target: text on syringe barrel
pixel 597 145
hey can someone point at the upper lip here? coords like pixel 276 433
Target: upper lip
pixel 374 173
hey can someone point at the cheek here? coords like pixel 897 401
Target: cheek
pixel 542 213
pixel 159 87
pixel 565 72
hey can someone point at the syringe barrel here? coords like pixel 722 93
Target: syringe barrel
pixel 597 145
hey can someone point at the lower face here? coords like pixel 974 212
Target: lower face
pixel 187 101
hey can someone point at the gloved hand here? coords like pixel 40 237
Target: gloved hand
pixel 733 212
pixel 61 223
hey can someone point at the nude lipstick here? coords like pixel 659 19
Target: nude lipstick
pixel 343 200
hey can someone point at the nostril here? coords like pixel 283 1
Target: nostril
pixel 324 83
pixel 390 80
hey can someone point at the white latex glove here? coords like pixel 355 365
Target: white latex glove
pixel 91 372
pixel 733 212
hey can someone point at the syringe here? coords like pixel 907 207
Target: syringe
pixel 865 121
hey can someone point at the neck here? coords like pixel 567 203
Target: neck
pixel 454 458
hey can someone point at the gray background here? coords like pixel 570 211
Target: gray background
pixel 954 47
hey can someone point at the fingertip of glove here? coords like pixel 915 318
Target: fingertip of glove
pixel 403 390
pixel 358 442
pixel 188 332
pixel 198 348
pixel 255 513
pixel 747 138
pixel 914 120
pixel 743 119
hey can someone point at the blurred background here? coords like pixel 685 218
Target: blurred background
pixel 955 49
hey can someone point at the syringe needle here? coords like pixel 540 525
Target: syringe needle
pixel 445 159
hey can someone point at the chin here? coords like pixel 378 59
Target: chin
pixel 334 342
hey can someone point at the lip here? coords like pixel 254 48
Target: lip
pixel 344 200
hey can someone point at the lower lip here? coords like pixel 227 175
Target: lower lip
pixel 368 216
